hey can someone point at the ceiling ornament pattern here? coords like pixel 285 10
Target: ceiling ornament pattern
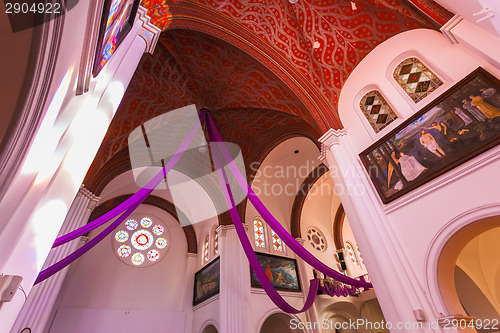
pixel 345 36
pixel 182 72
pixel 434 10
pixel 223 76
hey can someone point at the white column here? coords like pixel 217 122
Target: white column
pixel 41 299
pixel 304 269
pixel 234 282
pixel 46 194
pixel 389 272
pixel 192 261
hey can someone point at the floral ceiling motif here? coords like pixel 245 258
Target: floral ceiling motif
pixel 325 39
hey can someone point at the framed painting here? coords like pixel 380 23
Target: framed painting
pixel 117 20
pixel 207 282
pixel 460 124
pixel 281 271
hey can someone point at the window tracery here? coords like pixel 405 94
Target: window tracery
pixel 376 110
pixel 141 240
pixel 416 79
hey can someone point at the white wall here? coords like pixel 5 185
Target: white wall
pixel 101 285
pixel 412 222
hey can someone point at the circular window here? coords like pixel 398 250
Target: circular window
pixel 316 239
pixel 141 241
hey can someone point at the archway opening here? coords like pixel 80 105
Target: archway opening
pixel 210 329
pixel 278 323
pixel 469 271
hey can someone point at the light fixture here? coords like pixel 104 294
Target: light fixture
pixel 293 1
pixel 316 45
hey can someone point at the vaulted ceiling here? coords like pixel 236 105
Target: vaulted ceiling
pixel 268 68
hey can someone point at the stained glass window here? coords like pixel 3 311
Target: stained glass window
pixel 150 241
pixel 153 255
pixel 138 258
pixel 416 79
pixel 216 243
pixel 352 255
pixel 277 243
pixel 146 222
pixel 142 239
pixel 361 261
pixel 121 236
pixel 258 229
pixel 205 249
pixel 376 110
pixel 161 243
pixel 158 230
pixel 124 251
pixel 316 239
pixel 131 224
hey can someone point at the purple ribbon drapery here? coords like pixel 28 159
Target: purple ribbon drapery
pixel 130 205
pixel 337 290
pixel 247 247
pixel 138 196
pixel 273 223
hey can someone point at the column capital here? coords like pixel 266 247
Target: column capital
pixel 222 229
pixel 300 240
pixel 329 139
pixel 149 32
pixel 192 255
pixel 94 199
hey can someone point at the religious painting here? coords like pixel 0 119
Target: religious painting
pixel 207 282
pixel 457 126
pixel 117 20
pixel 281 272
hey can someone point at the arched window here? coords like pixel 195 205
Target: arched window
pixel 376 110
pixel 206 253
pixel 258 230
pixel 216 242
pixel 361 261
pixel 416 79
pixel 277 242
pixel 351 252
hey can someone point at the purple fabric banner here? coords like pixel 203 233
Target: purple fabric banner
pixel 337 290
pixel 273 223
pixel 247 246
pixel 130 205
pixel 139 195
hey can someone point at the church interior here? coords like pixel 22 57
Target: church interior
pixel 351 145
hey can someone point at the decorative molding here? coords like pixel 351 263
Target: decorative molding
pixel 329 139
pixel 206 302
pixel 94 199
pixel 149 32
pixel 452 23
pixel 89 46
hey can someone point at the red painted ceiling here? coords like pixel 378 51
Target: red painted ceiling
pixel 193 67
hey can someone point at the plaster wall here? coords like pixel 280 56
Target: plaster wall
pixel 101 292
pixel 413 221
